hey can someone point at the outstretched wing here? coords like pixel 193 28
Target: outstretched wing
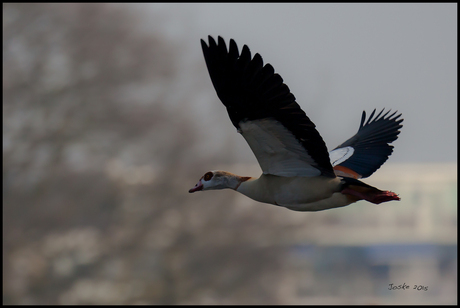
pixel 365 152
pixel 262 108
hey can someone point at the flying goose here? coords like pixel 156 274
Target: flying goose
pixel 298 172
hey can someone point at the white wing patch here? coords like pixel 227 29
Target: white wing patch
pixel 340 155
pixel 277 150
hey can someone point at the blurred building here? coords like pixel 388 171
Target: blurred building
pixel 352 255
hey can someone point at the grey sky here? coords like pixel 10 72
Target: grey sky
pixel 340 59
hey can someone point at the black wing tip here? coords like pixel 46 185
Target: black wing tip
pixel 382 123
pixel 211 39
pixel 204 45
pixel 379 117
pixel 220 41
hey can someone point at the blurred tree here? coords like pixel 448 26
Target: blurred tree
pixel 94 158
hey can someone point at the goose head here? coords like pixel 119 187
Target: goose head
pixel 218 180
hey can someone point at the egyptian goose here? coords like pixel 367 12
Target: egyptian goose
pixel 298 171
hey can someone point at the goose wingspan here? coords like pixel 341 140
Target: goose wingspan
pixel 262 108
pixel 369 148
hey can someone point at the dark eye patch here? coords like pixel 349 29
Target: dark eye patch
pixel 208 176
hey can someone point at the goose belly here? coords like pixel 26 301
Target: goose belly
pixel 311 194
pixel 296 193
pixel 301 190
pixel 335 200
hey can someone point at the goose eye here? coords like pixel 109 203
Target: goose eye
pixel 207 176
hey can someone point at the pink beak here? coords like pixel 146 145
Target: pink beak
pixel 197 187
